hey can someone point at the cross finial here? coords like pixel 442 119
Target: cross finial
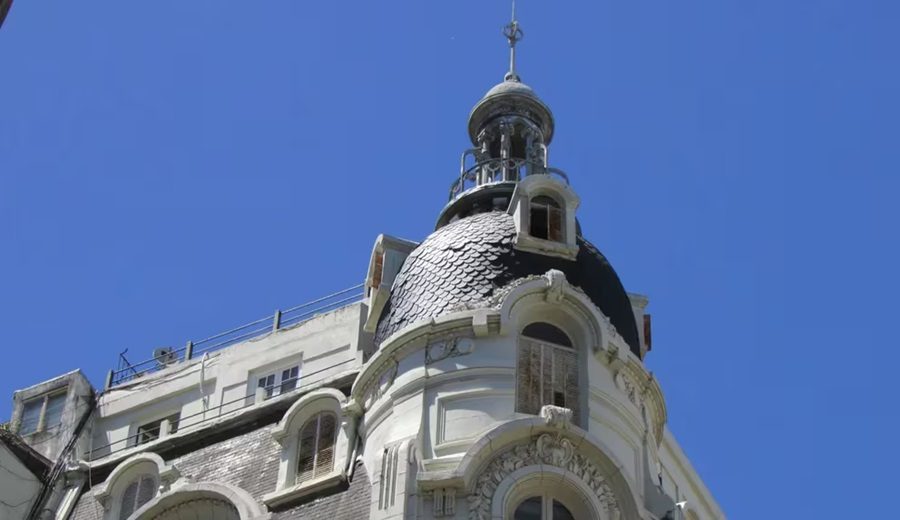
pixel 513 34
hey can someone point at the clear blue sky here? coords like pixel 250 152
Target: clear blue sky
pixel 170 169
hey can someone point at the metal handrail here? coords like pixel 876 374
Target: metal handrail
pixel 128 371
pixel 218 412
pixel 498 165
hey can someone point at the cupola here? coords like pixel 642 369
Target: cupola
pixel 510 129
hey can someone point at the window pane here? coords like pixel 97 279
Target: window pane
pixel 555 226
pixel 560 512
pixel 146 490
pixel 267 382
pixel 529 509
pixel 289 379
pixel 306 462
pixel 128 498
pixel 148 432
pixel 53 415
pixel 546 332
pixel 325 457
pixel 538 227
pixel 31 416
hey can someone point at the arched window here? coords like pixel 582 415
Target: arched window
pixel 542 508
pixel 140 491
pixel 316 454
pixel 547 371
pixel 546 220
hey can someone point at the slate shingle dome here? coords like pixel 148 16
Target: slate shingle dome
pixel 467 260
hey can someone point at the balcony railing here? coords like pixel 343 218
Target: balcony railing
pixel 500 170
pixel 127 371
pixel 305 383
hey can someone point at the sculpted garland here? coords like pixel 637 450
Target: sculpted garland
pixel 544 449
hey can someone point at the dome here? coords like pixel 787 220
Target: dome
pixel 467 260
pixel 511 97
pixel 511 87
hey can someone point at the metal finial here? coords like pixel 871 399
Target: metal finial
pixel 513 34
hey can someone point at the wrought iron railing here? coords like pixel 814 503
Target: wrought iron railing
pixel 500 170
pixel 127 371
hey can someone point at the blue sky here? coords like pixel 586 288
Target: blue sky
pixel 171 169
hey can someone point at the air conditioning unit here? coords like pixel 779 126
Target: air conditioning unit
pixel 165 356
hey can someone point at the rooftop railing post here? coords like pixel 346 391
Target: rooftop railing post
pixel 109 378
pixel 189 351
pixel 276 321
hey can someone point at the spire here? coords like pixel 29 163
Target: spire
pixel 513 34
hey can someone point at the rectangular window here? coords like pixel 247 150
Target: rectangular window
pixel 289 379
pixel 151 431
pixel 31 416
pixel 267 383
pixel 280 382
pixel 54 410
pixel 42 413
pixel 148 432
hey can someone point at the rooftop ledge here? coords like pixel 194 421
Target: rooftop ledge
pixel 163 359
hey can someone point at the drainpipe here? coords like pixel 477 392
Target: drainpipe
pixel 38 511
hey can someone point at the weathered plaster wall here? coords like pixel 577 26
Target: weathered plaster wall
pixel 18 487
pixel 324 348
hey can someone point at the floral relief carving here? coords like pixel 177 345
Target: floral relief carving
pixel 548 449
pixel 452 347
pixel 629 388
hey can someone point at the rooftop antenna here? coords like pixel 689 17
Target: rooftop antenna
pixel 513 34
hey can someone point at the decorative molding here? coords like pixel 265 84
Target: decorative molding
pixel 548 449
pixel 383 381
pixel 452 347
pixel 444 502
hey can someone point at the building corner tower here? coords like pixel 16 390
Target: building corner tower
pixel 493 371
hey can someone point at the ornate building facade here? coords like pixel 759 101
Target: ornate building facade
pixel 493 371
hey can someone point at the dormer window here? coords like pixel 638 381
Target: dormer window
pixel 317 438
pixel 42 413
pixel 546 219
pixel 138 493
pixel 543 208
pixel 315 435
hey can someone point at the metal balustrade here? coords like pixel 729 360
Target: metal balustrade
pixel 189 422
pixel 500 170
pixel 127 371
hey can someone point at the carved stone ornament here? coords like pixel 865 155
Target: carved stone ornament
pixel 556 282
pixel 548 449
pixel 556 416
pixel 448 348
pixel 629 388
pixel 384 381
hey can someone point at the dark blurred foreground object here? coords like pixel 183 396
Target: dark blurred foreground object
pixel 4 8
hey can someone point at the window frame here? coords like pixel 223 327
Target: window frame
pixel 172 420
pixel 137 481
pixel 554 217
pixel 288 432
pixel 279 385
pixel 41 425
pixel 317 471
pixel 567 355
